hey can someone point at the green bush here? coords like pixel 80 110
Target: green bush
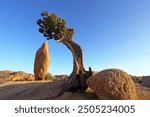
pixel 49 76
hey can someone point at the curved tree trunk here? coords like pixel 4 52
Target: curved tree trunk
pixel 77 79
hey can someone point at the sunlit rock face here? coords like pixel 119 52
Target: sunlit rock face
pixel 42 61
pixel 113 84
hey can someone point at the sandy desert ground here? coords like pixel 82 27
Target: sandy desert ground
pixel 48 90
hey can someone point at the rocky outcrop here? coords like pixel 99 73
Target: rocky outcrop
pixel 21 76
pixel 137 79
pixel 113 84
pixel 146 81
pixel 41 62
pixel 15 76
pixel 4 76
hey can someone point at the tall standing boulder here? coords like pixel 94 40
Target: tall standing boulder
pixel 41 62
pixel 113 84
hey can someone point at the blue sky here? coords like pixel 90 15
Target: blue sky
pixel 112 34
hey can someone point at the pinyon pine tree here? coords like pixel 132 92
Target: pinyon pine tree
pixel 53 27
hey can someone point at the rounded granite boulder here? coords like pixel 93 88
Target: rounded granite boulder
pixel 113 84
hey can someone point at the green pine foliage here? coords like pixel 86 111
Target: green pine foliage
pixel 53 27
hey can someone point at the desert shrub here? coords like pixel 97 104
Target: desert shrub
pixel 49 76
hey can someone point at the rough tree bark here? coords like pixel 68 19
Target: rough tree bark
pixel 78 77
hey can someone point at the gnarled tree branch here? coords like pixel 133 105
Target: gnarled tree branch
pixel 77 79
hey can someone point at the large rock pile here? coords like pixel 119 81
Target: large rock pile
pixel 15 76
pixel 113 84
pixel 21 76
pixel 4 76
pixel 42 61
